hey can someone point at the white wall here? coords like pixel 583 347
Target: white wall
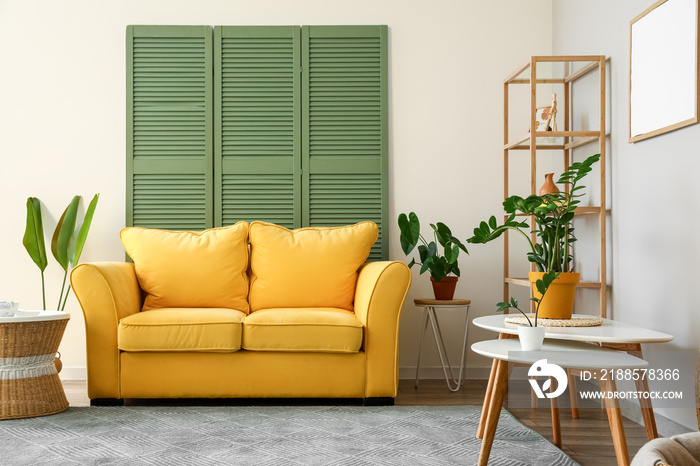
pixel 654 192
pixel 62 124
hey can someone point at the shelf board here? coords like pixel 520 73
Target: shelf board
pixel 523 142
pixel 577 211
pixel 526 282
pixel 559 75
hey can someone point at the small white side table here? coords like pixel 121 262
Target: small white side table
pixel 430 306
pixel 567 355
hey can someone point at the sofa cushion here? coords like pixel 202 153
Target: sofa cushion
pixel 191 270
pixel 204 330
pixel 318 330
pixel 308 267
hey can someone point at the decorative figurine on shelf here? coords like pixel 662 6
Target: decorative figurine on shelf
pixel 546 116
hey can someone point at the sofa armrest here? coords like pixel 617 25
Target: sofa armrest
pixel 107 292
pixel 381 290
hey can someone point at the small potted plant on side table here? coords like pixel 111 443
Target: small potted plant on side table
pixel 553 214
pixel 444 269
pixel 531 336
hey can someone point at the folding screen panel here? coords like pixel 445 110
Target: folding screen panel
pixel 345 139
pixel 258 124
pixel 169 127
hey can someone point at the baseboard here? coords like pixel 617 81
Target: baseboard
pixel 78 373
pixel 436 372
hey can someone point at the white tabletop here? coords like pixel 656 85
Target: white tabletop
pixel 566 354
pixel 610 332
pixel 32 316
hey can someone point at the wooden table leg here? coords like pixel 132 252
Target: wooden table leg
pixel 647 409
pixel 500 387
pixel 642 385
pixel 615 419
pixel 489 390
pixel 487 401
pixel 573 393
pixel 556 425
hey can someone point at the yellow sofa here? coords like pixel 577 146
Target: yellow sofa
pixel 247 311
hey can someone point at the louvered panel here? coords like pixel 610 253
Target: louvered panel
pixel 169 127
pixel 169 96
pixel 344 199
pixel 170 202
pixel 267 198
pixel 345 122
pixel 258 122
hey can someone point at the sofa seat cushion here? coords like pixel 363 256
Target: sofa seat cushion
pixel 177 329
pixel 318 330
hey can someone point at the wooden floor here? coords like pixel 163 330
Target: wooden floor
pixel 587 439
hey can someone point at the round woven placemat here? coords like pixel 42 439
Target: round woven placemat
pixel 591 321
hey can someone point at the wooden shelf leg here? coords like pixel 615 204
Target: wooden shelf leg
pixel 615 419
pixel 499 390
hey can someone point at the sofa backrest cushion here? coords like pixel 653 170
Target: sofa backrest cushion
pixel 308 267
pixel 187 269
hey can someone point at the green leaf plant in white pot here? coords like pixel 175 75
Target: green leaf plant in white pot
pixel 443 268
pixel 531 336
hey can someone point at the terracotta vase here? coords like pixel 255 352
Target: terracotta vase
pixel 558 303
pixel 548 187
pixel 444 290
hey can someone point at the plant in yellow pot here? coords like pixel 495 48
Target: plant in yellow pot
pixel 554 214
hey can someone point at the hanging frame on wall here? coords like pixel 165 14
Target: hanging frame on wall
pixel 663 69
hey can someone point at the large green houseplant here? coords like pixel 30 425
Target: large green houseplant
pixel 67 241
pixel 553 214
pixel 443 268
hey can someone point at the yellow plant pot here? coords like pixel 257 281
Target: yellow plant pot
pixel 558 303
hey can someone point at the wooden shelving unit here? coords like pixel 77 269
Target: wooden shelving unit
pixel 565 141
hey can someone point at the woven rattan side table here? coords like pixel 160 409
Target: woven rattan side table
pixel 29 383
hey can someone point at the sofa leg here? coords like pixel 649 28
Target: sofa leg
pixel 106 402
pixel 378 401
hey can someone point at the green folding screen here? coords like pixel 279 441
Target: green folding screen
pixel 276 123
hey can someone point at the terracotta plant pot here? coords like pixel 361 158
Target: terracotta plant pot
pixel 444 290
pixel 558 303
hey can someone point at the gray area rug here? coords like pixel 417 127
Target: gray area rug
pixel 269 435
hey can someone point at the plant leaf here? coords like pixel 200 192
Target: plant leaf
pixel 33 240
pixel 76 245
pixel 64 231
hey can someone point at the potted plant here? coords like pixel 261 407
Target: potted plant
pixel 531 336
pixel 67 245
pixel 444 268
pixel 553 214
